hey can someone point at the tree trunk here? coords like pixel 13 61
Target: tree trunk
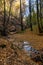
pixel 4 25
pixel 30 15
pixel 40 15
pixel 9 12
pixel 38 18
pixel 21 17
pixel 7 22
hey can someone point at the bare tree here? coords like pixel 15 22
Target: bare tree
pixel 38 17
pixel 21 17
pixel 11 1
pixel 41 13
pixel 4 26
pixel 5 23
pixel 30 15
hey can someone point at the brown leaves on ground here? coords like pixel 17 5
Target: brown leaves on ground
pixel 13 55
pixel 16 56
pixel 35 40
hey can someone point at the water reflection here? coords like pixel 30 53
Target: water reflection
pixel 29 49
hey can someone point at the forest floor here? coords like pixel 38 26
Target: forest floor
pixel 13 55
pixel 36 40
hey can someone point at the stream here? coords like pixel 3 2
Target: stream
pixel 34 54
pixel 29 49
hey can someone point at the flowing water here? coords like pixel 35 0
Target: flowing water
pixel 32 52
pixel 28 48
